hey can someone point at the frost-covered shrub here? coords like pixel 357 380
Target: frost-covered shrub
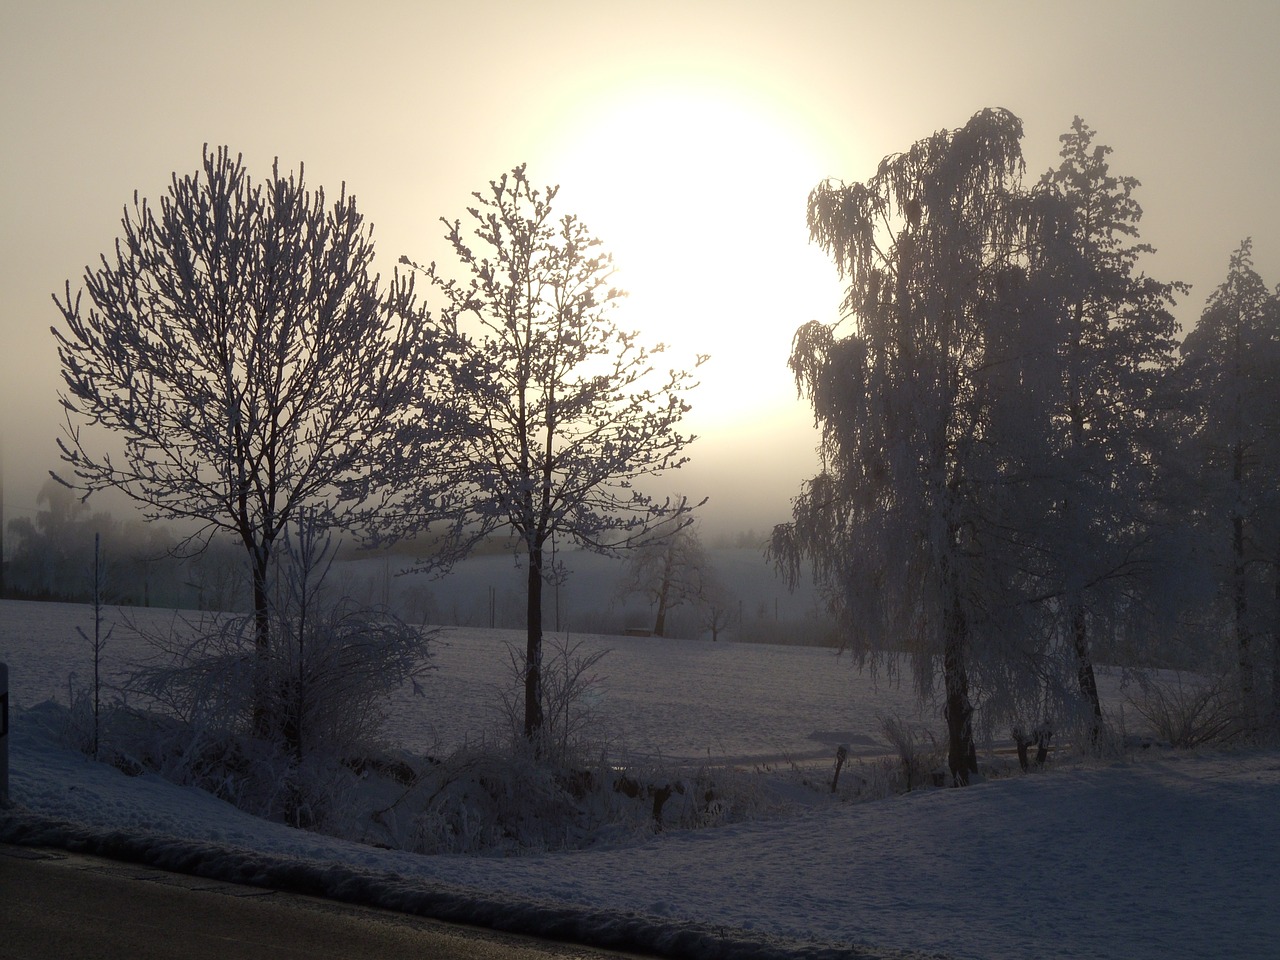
pixel 80 728
pixel 875 779
pixel 571 731
pixel 716 795
pixel 329 676
pixel 918 753
pixel 1188 711
pixel 1077 733
pixel 484 800
pixel 259 776
pixel 327 708
pixel 323 684
pixel 516 803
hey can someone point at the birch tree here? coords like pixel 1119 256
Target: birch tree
pixel 565 409
pixel 901 524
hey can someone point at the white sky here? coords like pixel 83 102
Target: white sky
pixel 686 134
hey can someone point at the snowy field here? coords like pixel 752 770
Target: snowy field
pixel 682 701
pixel 1159 856
pixel 678 701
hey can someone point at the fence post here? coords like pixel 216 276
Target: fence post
pixel 4 735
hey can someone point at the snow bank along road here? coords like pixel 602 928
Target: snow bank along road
pixel 1167 858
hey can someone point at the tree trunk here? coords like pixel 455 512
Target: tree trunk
pixel 533 649
pixel 1084 669
pixel 1275 660
pixel 261 644
pixel 664 589
pixel 1239 583
pixel 660 621
pixel 962 755
pixel 1076 529
pixel 1244 655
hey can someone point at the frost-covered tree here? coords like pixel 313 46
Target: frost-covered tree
pixel 1114 339
pixel 717 607
pixel 903 523
pixel 241 344
pixel 1230 379
pixel 566 409
pixel 668 568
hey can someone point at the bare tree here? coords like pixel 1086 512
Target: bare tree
pixel 718 608
pixel 567 410
pixel 99 642
pixel 669 568
pixel 240 342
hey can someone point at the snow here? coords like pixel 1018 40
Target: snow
pixel 1160 855
pixel 675 699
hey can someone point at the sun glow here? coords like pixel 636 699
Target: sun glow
pixel 699 193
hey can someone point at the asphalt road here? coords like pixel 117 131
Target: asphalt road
pixel 62 905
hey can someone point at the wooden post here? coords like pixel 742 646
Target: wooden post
pixel 4 735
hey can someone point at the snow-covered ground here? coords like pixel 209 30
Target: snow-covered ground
pixel 683 701
pixel 1159 856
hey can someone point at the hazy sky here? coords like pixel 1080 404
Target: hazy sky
pixel 687 135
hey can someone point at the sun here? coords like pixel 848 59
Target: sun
pixel 699 193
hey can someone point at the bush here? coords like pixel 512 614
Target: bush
pixel 327 672
pixel 1189 711
pixel 482 800
pixel 917 752
pixel 328 676
pixel 570 733
pixel 486 801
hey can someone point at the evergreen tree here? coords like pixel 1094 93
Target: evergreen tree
pixel 1114 335
pixel 1229 375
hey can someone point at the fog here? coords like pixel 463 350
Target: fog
pixel 414 106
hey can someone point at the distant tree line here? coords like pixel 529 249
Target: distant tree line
pixel 1022 469
pixel 144 564
pixel 51 557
